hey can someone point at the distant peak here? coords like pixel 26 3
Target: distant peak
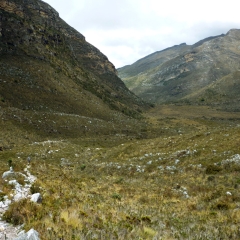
pixel 232 31
pixel 206 40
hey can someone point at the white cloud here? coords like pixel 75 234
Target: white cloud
pixel 131 29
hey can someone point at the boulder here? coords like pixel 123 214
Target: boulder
pixel 30 235
pixel 14 182
pixel 18 197
pixel 36 197
pixel 8 174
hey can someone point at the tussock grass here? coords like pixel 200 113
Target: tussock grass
pixel 173 184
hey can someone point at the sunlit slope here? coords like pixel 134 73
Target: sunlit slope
pixel 188 72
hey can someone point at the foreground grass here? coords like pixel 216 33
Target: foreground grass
pixel 181 182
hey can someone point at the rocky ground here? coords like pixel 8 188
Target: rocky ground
pixel 180 181
pixel 8 231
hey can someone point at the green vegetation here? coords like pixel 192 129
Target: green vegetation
pixel 108 166
pixel 199 74
pixel 176 176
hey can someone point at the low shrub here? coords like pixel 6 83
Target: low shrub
pixel 21 211
pixel 213 169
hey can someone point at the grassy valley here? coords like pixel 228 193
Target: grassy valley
pixel 178 179
pixel 109 165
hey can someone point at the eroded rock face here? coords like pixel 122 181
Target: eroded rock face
pixel 37 24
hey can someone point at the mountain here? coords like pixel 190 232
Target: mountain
pixel 70 135
pixel 47 65
pixel 54 84
pixel 206 72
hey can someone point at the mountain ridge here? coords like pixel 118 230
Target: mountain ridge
pixel 32 33
pixel 174 75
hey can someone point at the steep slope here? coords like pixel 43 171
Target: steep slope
pixel 151 61
pixel 47 65
pixel 222 93
pixel 187 72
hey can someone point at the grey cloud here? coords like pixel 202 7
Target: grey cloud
pixel 130 29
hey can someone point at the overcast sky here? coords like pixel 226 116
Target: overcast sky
pixel 127 30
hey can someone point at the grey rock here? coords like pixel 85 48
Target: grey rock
pixel 30 235
pixel 8 174
pixel 36 197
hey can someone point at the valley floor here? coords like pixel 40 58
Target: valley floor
pixel 177 178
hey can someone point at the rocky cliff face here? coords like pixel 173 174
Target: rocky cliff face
pixel 46 64
pixel 187 73
pixel 36 29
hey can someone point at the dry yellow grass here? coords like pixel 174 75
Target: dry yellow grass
pixel 173 184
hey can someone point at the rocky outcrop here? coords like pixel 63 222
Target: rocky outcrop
pixel 7 231
pixel 36 25
pixel 30 235
pixel 19 191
